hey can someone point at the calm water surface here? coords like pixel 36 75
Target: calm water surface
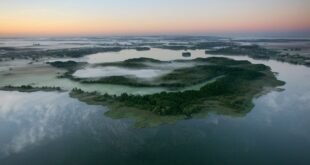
pixel 52 128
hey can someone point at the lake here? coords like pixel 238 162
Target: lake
pixel 52 128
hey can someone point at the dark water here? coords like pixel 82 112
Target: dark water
pixel 51 128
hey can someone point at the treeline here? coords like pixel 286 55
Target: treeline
pixel 253 51
pixel 257 52
pixel 29 88
pixel 196 45
pixel 203 71
pixel 72 52
pixel 235 90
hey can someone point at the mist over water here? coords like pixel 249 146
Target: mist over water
pixel 117 71
pixel 52 128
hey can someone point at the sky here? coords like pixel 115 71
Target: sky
pixel 151 17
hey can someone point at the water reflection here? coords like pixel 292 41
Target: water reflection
pixel 51 128
pixel 24 124
pixel 30 120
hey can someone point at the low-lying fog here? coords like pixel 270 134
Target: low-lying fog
pixel 155 70
pixel 118 71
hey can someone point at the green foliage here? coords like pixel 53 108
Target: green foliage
pixel 72 52
pixel 241 81
pixel 142 48
pixel 253 51
pixel 206 69
pixel 66 64
pixel 142 59
pixel 29 88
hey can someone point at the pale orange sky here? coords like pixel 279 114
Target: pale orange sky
pixel 108 17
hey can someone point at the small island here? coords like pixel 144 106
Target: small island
pixel 29 88
pixel 186 54
pixel 227 87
